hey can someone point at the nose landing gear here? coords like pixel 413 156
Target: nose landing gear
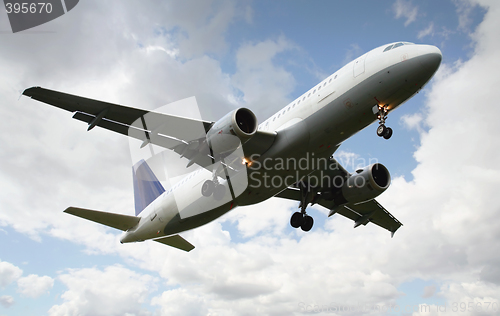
pixel 382 130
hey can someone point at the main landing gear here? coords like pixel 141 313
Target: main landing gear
pixel 382 130
pixel 213 187
pixel 301 219
pixel 210 187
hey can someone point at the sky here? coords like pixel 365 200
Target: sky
pixel 443 158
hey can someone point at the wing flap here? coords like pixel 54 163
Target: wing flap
pixel 118 221
pixel 380 216
pixel 362 213
pixel 176 241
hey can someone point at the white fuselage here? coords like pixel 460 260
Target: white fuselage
pixel 314 124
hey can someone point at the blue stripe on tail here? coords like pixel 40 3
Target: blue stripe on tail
pixel 146 186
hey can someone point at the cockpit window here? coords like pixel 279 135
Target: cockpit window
pixel 397 45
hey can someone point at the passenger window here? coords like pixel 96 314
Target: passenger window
pixel 319 87
pixel 309 95
pixel 279 115
pixel 293 105
pixel 298 102
pixel 288 109
pixel 274 118
pixel 388 48
pixel 330 80
pixel 314 91
pixel 335 77
pixel 303 98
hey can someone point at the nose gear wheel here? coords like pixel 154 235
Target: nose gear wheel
pixel 382 130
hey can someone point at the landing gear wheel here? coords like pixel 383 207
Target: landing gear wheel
pixel 297 219
pixel 219 192
pixel 307 224
pixel 388 133
pixel 207 188
pixel 381 130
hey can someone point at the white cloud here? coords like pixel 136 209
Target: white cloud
pixel 406 10
pixel 34 285
pixel 202 27
pixel 6 301
pixel 413 121
pixel 429 291
pixel 8 273
pixel 262 82
pixel 182 302
pixel 112 291
pixel 427 31
pixel 464 298
pixel 464 10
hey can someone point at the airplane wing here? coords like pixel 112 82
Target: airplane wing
pixel 361 213
pixel 180 134
pixel 122 119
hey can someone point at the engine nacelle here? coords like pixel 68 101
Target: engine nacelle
pixel 366 184
pixel 234 129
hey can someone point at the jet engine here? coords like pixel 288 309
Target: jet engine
pixel 234 129
pixel 365 184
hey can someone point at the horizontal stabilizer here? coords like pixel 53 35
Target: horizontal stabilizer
pixel 118 221
pixel 176 241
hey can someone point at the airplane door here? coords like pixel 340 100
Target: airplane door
pixel 359 66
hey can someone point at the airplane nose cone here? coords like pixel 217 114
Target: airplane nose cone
pixel 431 57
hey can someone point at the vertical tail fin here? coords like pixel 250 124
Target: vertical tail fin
pixel 146 186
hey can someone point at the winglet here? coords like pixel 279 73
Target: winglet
pixel 393 231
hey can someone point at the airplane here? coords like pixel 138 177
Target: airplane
pixel 239 162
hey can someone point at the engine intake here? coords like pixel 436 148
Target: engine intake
pixel 365 184
pixel 232 130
